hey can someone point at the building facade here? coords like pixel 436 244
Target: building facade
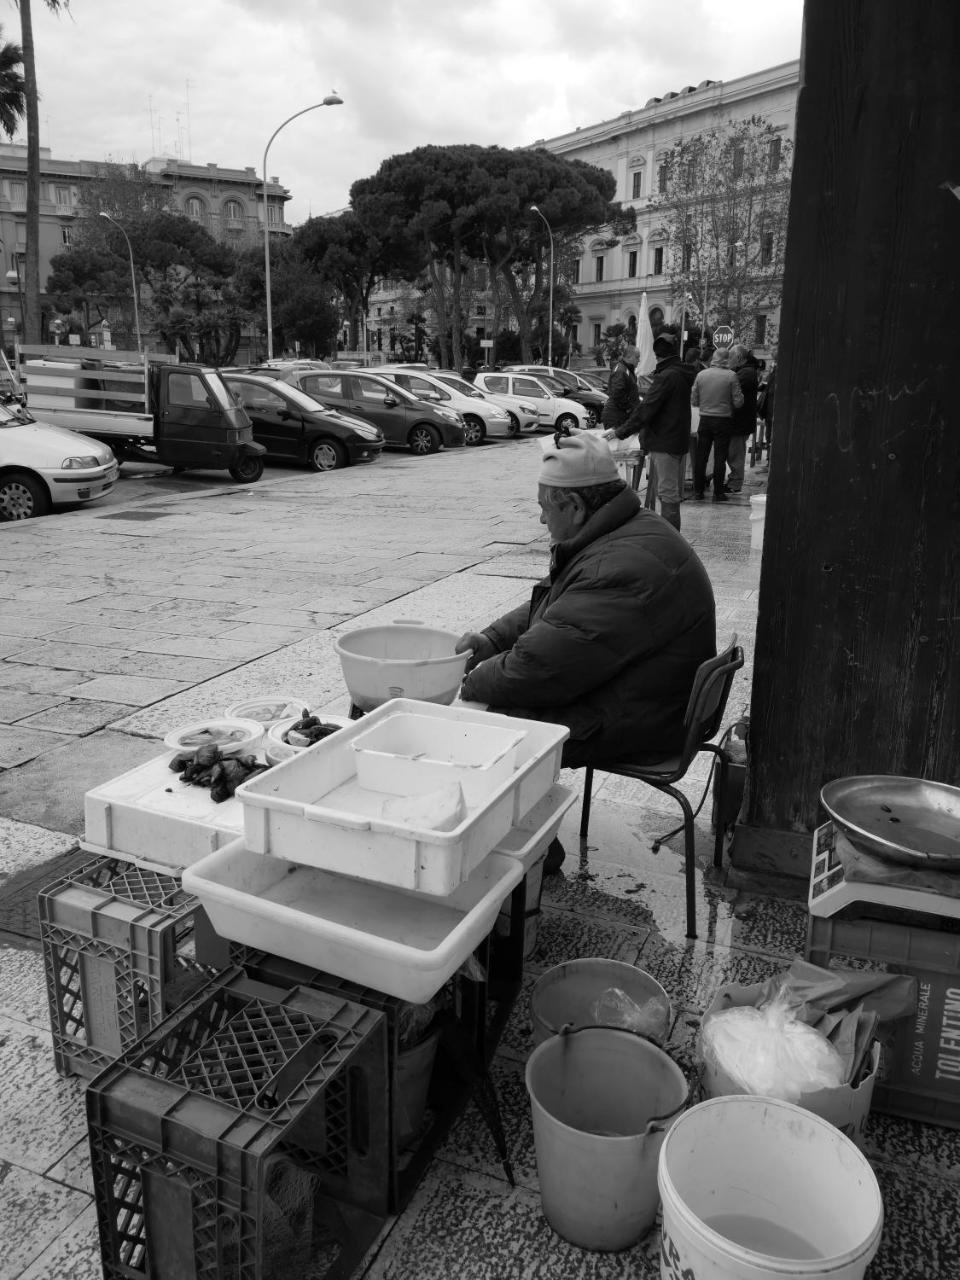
pixel 226 202
pixel 610 281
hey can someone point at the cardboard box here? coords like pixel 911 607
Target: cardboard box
pixel 846 1107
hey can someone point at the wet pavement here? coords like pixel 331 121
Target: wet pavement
pixel 177 597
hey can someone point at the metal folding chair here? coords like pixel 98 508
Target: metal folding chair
pixel 702 720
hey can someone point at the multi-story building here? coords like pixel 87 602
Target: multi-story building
pixel 610 281
pixel 227 202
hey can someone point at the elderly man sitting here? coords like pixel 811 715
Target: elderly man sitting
pixel 612 637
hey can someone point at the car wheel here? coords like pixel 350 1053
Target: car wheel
pixel 326 455
pixel 248 470
pixel 423 439
pixel 22 497
pixel 591 417
pixel 514 425
pixel 474 431
pixel 567 421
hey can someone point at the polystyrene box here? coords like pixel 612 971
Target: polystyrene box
pixel 149 816
pixel 312 810
pixel 403 944
pixel 410 754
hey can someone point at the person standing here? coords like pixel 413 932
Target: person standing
pixel 745 418
pixel 716 393
pixel 663 420
pixel 623 394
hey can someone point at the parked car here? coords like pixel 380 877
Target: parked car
pixel 43 466
pixel 480 416
pixel 566 383
pixel 598 378
pixel 521 417
pixel 553 411
pixel 291 425
pixel 406 421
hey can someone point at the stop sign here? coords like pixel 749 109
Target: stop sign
pixel 723 336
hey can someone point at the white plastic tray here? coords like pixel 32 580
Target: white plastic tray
pixel 149 815
pixel 403 944
pixel 529 839
pixel 311 809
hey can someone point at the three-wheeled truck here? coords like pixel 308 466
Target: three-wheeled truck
pixel 146 408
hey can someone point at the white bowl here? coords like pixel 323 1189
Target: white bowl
pixel 268 708
pixel 231 734
pixel 277 748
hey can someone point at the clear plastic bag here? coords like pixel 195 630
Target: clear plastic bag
pixel 614 1008
pixel 768 1050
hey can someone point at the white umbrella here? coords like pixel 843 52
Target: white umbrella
pixel 648 361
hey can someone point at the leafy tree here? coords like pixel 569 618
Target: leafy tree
pixel 12 87
pixel 32 318
pixel 446 209
pixel 724 212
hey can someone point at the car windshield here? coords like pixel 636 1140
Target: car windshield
pixel 297 395
pixel 13 417
pixel 464 388
pixel 551 383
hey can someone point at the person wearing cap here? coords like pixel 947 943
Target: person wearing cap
pixel 623 394
pixel 716 393
pixel 663 420
pixel 611 639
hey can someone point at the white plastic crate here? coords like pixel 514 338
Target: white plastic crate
pixel 150 817
pixel 408 754
pixel 312 810
pixel 403 944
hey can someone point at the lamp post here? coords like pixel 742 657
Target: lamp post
pixel 331 100
pixel 133 279
pixel 534 209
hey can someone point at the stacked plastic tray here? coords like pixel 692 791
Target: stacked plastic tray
pixel 221 1141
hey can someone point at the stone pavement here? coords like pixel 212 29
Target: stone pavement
pixel 176 597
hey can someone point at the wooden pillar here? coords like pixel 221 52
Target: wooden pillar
pixel 857 664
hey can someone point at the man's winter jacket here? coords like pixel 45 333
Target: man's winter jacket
pixel 622 395
pixel 663 417
pixel 610 641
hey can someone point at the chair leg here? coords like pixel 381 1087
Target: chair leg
pixel 585 810
pixel 689 859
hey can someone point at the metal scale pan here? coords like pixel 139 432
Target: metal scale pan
pixel 904 820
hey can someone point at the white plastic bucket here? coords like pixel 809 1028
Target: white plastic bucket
pixel 566 994
pixel 758 514
pixel 601 1101
pixel 400 660
pixel 758 1189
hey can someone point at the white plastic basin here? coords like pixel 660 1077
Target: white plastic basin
pixel 400 660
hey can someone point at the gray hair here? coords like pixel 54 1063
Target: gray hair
pixel 593 496
pixel 738 356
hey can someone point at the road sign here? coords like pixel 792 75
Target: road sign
pixel 486 343
pixel 723 336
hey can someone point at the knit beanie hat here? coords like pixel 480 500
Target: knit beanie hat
pixel 577 462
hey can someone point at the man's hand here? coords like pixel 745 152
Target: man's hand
pixel 609 434
pixel 482 648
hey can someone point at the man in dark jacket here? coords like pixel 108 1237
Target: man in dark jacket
pixel 612 638
pixel 745 418
pixel 622 392
pixel 663 420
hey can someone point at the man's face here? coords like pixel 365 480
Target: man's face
pixel 560 512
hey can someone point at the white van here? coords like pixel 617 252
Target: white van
pixel 480 415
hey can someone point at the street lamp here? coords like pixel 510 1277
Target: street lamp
pixel 133 278
pixel 534 209
pixel 331 100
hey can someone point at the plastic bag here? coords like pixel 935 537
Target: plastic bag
pixel 614 1008
pixel 768 1050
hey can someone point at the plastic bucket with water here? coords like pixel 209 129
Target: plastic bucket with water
pixel 601 1100
pixel 566 995
pixel 758 1189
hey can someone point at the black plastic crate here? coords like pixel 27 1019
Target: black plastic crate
pixel 920 1064
pixel 119 955
pixel 219 1140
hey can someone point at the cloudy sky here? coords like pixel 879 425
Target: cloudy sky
pixel 210 80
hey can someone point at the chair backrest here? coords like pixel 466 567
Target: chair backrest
pixel 708 698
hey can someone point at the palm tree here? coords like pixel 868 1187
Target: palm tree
pixel 12 104
pixel 31 318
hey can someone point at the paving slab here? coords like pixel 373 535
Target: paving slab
pixel 77 716
pixel 132 690
pixel 15 705
pixel 35 1213
pixel 48 792
pixel 17 745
